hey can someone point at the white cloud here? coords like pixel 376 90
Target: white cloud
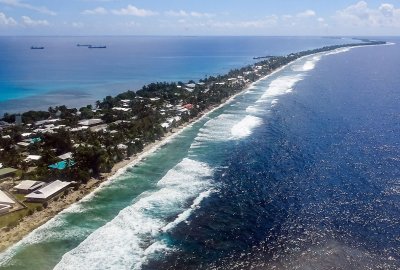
pixel 77 24
pixel 134 11
pixel 7 21
pixel 180 13
pixel 96 11
pixel 27 21
pixel 306 14
pixel 183 13
pixel 305 20
pixel 266 22
pixel 19 4
pixel 387 10
pixel 361 15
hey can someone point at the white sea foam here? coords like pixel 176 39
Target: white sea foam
pixel 50 231
pixel 216 129
pixel 280 86
pixel 226 127
pixel 245 126
pixel 340 50
pixel 307 65
pixel 253 110
pixel 127 240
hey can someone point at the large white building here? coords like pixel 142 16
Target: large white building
pixel 48 192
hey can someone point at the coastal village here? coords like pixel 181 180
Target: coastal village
pixel 56 157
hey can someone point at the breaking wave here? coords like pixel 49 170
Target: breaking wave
pixel 136 233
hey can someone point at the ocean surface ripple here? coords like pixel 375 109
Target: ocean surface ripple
pixel 301 171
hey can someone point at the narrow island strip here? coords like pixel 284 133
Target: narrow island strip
pixel 52 159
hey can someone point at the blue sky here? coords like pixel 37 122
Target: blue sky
pixel 199 17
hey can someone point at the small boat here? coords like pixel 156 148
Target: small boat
pixel 96 47
pixel 36 48
pixel 83 45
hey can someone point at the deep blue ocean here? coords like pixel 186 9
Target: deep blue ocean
pixel 301 171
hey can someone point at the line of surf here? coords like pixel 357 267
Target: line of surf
pixel 6 255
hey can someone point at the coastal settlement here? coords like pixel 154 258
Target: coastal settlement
pixel 50 159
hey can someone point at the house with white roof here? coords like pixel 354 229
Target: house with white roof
pixel 32 158
pixel 122 109
pixel 165 125
pixel 90 122
pixel 6 202
pixel 79 128
pixel 122 146
pixel 46 193
pixel 191 85
pixel 27 134
pixel 65 156
pixel 42 122
pixel 189 89
pixel 99 128
pixel 28 186
pixel 23 144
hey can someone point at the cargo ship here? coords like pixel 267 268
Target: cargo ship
pixel 97 47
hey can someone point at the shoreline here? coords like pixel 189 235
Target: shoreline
pixel 30 223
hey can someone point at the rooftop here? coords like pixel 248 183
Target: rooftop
pixel 49 190
pixel 121 109
pixel 5 199
pixel 38 123
pixel 32 157
pixel 65 156
pixel 28 184
pixel 24 144
pixel 122 146
pixel 90 122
